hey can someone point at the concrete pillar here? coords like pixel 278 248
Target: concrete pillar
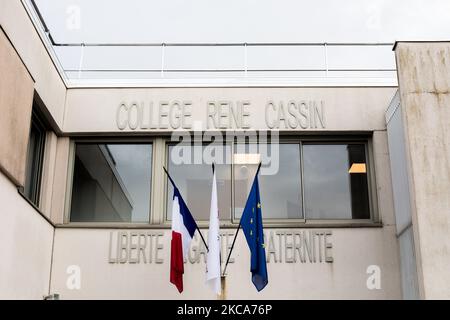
pixel 424 86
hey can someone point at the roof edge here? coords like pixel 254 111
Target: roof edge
pixel 417 41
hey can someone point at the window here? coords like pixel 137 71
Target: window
pixel 281 191
pixel 35 155
pixel 309 180
pixel 335 180
pixel 111 183
pixel 193 177
pixel 302 179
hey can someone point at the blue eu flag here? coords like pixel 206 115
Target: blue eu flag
pixel 251 223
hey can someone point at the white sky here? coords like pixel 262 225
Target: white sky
pixel 238 21
pixel 248 20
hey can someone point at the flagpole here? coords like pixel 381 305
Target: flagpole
pixel 232 246
pixel 213 169
pixel 173 184
pixel 222 276
pixel 237 231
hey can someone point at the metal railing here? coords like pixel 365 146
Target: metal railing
pixel 240 66
pixel 245 68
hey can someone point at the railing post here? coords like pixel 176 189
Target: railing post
pixel 326 58
pixel 80 65
pixel 163 48
pixel 245 60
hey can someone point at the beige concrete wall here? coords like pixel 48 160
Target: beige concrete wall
pixel 16 101
pixel 54 177
pixel 48 84
pixel 25 247
pixel 95 110
pixel 345 278
pixel 354 250
pixel 424 84
pixel 384 199
pixel 26 238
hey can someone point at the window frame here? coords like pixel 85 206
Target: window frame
pixel 366 140
pixel 371 187
pixel 279 221
pixel 160 191
pixel 71 171
pixel 200 223
pixel 38 160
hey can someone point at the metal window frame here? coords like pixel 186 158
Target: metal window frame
pixel 342 138
pixel 159 185
pixel 37 163
pixel 280 221
pixel 71 170
pixel 233 221
pixel 371 184
pixel 201 223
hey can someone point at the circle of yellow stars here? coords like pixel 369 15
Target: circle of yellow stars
pixel 251 221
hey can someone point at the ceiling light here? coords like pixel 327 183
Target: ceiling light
pixel 247 158
pixel 357 168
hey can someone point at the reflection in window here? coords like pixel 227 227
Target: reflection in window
pixel 280 192
pixel 193 178
pixel 335 181
pixel 111 183
pixel 35 155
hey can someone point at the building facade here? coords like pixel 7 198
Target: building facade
pixel 354 180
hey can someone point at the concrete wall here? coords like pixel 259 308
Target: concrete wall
pixel 424 84
pixel 345 109
pixel 93 111
pixel 402 199
pixel 25 247
pixel 16 100
pixel 345 278
pixel 54 177
pixel 17 25
pixel 26 240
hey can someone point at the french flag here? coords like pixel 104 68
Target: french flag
pixel 183 229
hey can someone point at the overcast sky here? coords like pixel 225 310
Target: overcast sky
pixel 237 21
pixel 248 20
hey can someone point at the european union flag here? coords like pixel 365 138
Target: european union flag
pixel 251 223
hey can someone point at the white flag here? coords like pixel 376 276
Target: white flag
pixel 213 255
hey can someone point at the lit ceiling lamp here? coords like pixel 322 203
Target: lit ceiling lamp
pixel 357 168
pixel 247 158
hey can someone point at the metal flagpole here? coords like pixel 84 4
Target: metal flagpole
pixel 173 184
pixel 220 253
pixel 232 246
pixel 221 296
pixel 237 231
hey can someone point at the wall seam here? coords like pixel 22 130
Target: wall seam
pixel 51 263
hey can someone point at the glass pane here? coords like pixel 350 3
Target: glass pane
pixel 111 183
pixel 31 162
pixel 193 178
pixel 280 191
pixel 34 161
pixel 335 181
